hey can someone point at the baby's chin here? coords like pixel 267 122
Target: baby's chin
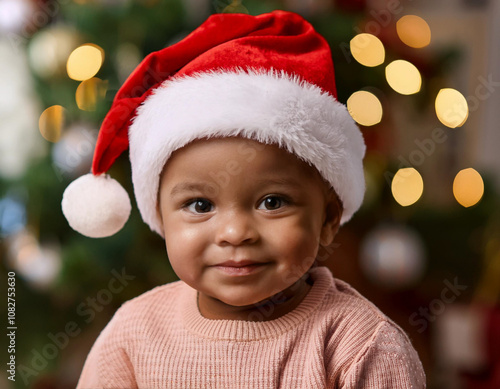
pixel 250 302
pixel 244 302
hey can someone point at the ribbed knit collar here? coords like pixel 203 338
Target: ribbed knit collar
pixel 242 330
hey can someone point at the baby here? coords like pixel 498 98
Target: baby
pixel 251 239
pixel 245 162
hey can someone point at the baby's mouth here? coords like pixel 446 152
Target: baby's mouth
pixel 240 268
pixel 239 263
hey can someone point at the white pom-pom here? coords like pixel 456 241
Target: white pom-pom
pixel 96 206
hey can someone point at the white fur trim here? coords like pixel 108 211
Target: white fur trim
pixel 96 206
pixel 269 107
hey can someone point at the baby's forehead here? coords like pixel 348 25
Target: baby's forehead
pixel 239 155
pixel 251 153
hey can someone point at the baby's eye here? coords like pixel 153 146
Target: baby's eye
pixel 199 206
pixel 272 202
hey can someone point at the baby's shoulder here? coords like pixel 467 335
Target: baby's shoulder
pixel 348 305
pixel 152 306
pixel 351 317
pixel 153 296
pixel 355 323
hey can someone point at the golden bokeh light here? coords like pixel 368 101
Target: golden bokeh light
pixel 407 186
pixel 367 49
pixel 451 108
pixel 89 93
pixel 51 123
pixel 235 7
pixel 403 77
pixel 414 31
pixel 84 62
pixel 365 108
pixel 468 187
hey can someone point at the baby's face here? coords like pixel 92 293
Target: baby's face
pixel 234 199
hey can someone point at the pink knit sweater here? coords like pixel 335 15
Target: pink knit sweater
pixel 335 338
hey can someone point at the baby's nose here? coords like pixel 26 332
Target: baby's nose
pixel 236 228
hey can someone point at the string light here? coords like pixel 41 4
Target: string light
pixel 413 31
pixel 367 49
pixel 365 108
pixel 468 187
pixel 403 77
pixel 407 186
pixel 451 108
pixel 84 62
pixel 51 123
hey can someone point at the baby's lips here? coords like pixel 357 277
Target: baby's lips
pixel 239 263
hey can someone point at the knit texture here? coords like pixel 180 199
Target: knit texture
pixel 335 338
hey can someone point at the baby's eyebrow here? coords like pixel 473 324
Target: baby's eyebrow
pixel 282 181
pixel 196 186
pixel 187 187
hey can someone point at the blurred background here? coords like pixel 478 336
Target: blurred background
pixel 420 77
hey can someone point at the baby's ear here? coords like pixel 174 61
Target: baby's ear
pixel 332 216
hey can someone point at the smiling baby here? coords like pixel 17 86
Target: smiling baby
pixel 245 163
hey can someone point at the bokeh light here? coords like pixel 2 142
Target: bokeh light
pixel 72 155
pixel 14 14
pixel 367 49
pixel 51 123
pixel 414 31
pixel 403 77
pixel 12 215
pixel 89 93
pixel 365 108
pixel 39 265
pixel 468 187
pixel 393 256
pixel 407 186
pixel 126 58
pixel 451 108
pixel 49 49
pixel 235 7
pixel 84 62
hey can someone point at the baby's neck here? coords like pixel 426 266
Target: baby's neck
pixel 266 310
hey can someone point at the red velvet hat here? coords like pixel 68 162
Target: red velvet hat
pixel 268 77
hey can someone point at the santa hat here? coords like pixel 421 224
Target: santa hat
pixel 268 77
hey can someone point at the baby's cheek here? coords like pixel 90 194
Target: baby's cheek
pixel 300 243
pixel 182 258
pixel 186 243
pixel 306 229
pixel 180 242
